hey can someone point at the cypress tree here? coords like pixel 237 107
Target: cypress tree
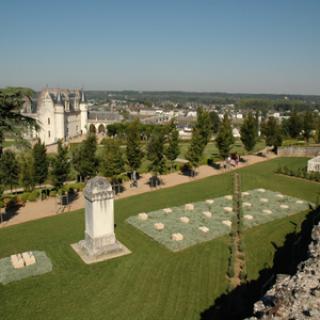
pixel 27 171
pixel 271 130
pixel 60 166
pixel 248 132
pixel 307 125
pixel 9 169
pixel 173 150
pixel 225 139
pixel 133 150
pixel 111 162
pixel 155 152
pixel 40 162
pixel 84 158
pixel 215 122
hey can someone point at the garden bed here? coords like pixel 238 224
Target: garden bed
pixel 178 228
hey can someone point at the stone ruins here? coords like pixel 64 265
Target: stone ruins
pixel 298 296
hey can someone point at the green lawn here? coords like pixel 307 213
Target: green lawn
pixel 152 282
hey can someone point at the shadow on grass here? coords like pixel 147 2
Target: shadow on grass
pixel 238 303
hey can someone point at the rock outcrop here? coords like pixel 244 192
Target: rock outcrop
pixel 295 297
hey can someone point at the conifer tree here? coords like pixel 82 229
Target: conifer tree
pixel 9 169
pixel 294 125
pixel 27 171
pixel 248 132
pixel 111 162
pixel 225 139
pixel 203 125
pixel 133 150
pixel 195 150
pixel 271 130
pixel 173 150
pixel 215 122
pixel 60 166
pixel 84 158
pixel 307 125
pixel 40 162
pixel 155 152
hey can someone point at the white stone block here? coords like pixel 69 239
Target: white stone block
pixel 159 226
pixel 227 209
pixel 142 216
pixel 227 223
pixel 204 229
pixel 207 214
pixel 299 202
pixel 28 258
pixel 17 261
pixel 248 217
pixel 280 196
pixel 189 207
pixel 209 201
pixel 247 204
pixel 284 206
pixel 267 211
pixel 177 237
pixel 228 197
pixel 264 200
pixel 167 210
pixel 184 219
pixel 261 190
pixel 245 193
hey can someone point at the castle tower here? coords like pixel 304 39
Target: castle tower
pixel 83 113
pixel 59 118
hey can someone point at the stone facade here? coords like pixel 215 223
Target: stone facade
pixel 61 114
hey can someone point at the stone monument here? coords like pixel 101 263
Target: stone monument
pixel 99 241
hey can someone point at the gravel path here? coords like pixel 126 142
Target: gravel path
pixel 49 207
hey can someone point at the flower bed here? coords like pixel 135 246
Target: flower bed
pixel 213 217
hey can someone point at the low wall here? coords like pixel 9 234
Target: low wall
pixel 297 151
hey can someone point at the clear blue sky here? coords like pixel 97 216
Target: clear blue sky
pixel 219 45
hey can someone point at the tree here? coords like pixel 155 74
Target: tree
pixel 225 139
pixel 40 162
pixel 307 125
pixel 203 125
pixel 271 130
pixel 9 169
pixel 248 132
pixel 60 166
pixel 1 202
pixel 84 158
pixel 195 150
pixel 215 122
pixel 12 122
pixel 111 162
pixel 172 151
pixel 294 125
pixel 155 152
pixel 27 174
pixel 133 150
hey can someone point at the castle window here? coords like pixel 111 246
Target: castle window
pixel 48 120
pixel 49 133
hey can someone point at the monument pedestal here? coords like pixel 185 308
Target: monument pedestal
pixel 99 243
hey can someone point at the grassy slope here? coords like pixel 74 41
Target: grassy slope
pixel 151 283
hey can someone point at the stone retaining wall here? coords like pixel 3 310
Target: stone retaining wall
pixel 296 151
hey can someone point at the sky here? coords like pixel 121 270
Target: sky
pixel 252 46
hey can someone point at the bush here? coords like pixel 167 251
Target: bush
pixel 34 195
pixel 53 193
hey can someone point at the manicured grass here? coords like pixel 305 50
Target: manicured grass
pixel 152 282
